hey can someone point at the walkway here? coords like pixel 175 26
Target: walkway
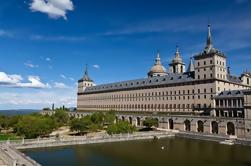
pixel 12 157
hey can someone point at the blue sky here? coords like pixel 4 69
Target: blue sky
pixel 44 45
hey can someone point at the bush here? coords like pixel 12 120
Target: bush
pixel 120 127
pixel 79 125
pixel 31 126
pixel 150 122
pixel 61 117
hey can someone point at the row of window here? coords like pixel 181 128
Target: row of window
pixel 159 95
pixel 188 97
pixel 220 76
pixel 148 106
pixel 229 103
pixel 211 62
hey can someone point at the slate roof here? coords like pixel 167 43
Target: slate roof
pixel 157 80
pixel 230 94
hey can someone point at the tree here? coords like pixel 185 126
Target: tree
pixel 79 125
pixel 120 127
pixel 109 117
pixel 61 117
pixel 31 126
pixel 150 122
pixel 97 118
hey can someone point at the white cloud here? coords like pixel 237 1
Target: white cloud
pixel 60 85
pixel 31 65
pixel 48 59
pixel 6 79
pixel 35 82
pixel 58 38
pixel 54 8
pixel 63 76
pixel 4 33
pixel 38 99
pixel 16 81
pixel 96 66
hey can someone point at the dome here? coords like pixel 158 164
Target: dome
pixel 157 69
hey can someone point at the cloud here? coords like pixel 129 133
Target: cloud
pixel 48 59
pixel 63 76
pixel 35 82
pixel 38 99
pixel 96 66
pixel 54 8
pixel 58 38
pixel 60 85
pixel 4 33
pixel 6 79
pixel 15 81
pixel 31 65
pixel 67 78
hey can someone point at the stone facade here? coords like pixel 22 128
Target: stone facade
pixel 175 92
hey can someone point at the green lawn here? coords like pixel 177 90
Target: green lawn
pixel 4 137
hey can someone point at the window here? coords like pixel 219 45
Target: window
pixel 205 96
pixel 198 63
pixel 205 62
pixel 198 90
pixel 205 69
pixel 211 75
pixel 211 61
pixel 205 90
pixel 211 90
pixel 205 76
pixel 198 76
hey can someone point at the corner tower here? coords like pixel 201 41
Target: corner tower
pixel 85 81
pixel 177 65
pixel 210 63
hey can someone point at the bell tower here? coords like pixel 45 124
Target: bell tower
pixel 177 65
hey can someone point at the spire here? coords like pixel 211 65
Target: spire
pixel 209 38
pixel 86 76
pixel 177 53
pixel 86 70
pixel 191 66
pixel 157 60
pixel 209 44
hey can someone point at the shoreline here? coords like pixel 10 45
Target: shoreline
pixel 19 146
pixel 82 140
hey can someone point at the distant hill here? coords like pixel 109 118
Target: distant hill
pixel 17 112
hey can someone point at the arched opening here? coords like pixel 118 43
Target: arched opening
pixel 215 128
pixel 187 125
pixel 123 118
pixel 130 120
pixel 170 124
pixel 230 128
pixel 138 121
pixel 200 126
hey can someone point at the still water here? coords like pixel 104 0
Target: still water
pixel 173 152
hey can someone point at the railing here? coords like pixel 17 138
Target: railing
pixel 72 140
